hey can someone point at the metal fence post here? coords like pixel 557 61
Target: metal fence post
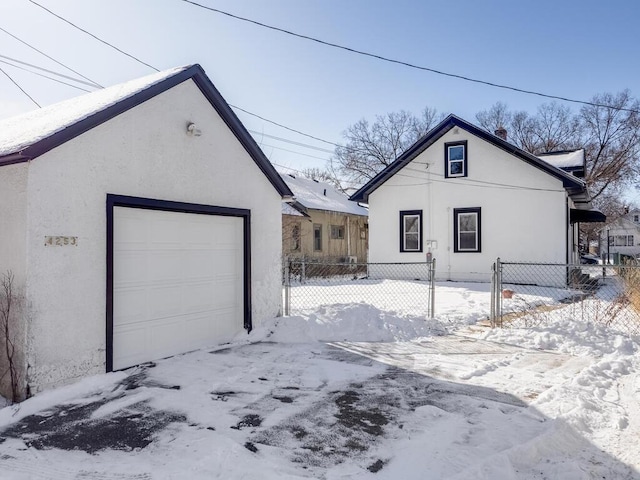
pixel 499 290
pixel 432 287
pixel 303 271
pixel 492 306
pixel 287 287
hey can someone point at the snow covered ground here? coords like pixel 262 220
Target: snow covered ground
pixel 352 390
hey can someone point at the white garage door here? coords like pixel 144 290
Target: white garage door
pixel 177 283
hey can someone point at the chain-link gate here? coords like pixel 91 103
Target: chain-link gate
pixel 406 288
pixel 532 294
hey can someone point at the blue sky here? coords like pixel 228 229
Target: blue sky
pixel 567 48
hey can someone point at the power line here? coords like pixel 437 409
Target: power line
pixel 284 126
pixel 407 64
pixel 292 142
pixel 157 70
pixel 21 89
pixel 93 36
pixel 44 76
pixel 48 71
pixel 291 151
pixel 96 84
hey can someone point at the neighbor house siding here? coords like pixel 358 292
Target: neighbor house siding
pixel 144 152
pixel 523 210
pixel 353 244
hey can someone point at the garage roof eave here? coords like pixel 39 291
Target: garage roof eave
pixel 98 114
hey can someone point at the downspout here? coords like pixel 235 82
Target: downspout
pixel 348 236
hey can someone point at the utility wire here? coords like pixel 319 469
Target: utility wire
pixel 93 36
pixel 95 84
pixel 21 89
pixel 292 142
pixel 157 70
pixel 407 64
pixel 284 126
pixel 48 71
pixel 45 76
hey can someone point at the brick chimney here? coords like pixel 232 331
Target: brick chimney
pixel 502 133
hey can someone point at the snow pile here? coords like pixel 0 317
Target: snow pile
pixel 569 336
pixel 356 322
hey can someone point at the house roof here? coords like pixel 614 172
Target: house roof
pixel 312 194
pixel 574 186
pixel 566 159
pixel 27 136
pixel 287 209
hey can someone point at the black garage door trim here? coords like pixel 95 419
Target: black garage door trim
pixel 151 204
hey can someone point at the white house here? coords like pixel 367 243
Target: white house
pixel 623 235
pixel 140 221
pixel 467 197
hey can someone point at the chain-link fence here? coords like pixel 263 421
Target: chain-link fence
pixel 531 294
pixel 407 288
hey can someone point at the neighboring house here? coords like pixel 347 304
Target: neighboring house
pixel 622 235
pixel 467 197
pixel 322 222
pixel 571 161
pixel 140 221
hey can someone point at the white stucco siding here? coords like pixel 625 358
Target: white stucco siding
pixel 523 210
pixel 144 152
pixel 13 218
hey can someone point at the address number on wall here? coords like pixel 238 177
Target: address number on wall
pixel 60 241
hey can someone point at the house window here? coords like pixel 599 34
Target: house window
pixel 411 231
pixel 455 159
pixel 317 237
pixel 466 230
pixel 621 240
pixel 636 218
pixel 337 232
pixel 295 238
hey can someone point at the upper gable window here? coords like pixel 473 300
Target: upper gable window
pixel 455 159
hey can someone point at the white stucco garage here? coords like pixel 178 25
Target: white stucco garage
pixel 140 221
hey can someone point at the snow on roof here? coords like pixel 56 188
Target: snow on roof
pixel 19 132
pixel 321 196
pixel 564 159
pixel 289 210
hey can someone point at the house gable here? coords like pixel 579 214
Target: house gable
pixel 88 118
pixel 570 183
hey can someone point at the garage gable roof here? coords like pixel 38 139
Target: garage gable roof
pixel 27 136
pixel 572 184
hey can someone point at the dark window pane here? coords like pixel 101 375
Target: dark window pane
pixel 411 242
pixel 456 153
pixel 455 168
pixel 467 241
pixel 467 222
pixel 411 224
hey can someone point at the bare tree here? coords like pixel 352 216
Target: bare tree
pixel 370 148
pixel 610 135
pixel 611 138
pixel 326 175
pixel 7 333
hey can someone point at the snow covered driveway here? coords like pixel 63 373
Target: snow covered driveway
pixel 389 401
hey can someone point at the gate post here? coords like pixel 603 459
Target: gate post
pixel 499 290
pixel 492 306
pixel 432 287
pixel 287 287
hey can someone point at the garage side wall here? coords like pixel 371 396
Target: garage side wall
pixel 13 218
pixel 144 152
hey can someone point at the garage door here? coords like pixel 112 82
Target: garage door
pixel 177 282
